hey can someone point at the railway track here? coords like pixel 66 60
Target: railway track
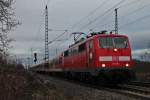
pixel 137 83
pixel 139 92
pixel 130 90
pixel 138 89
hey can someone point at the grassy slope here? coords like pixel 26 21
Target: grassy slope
pixel 142 70
pixel 19 84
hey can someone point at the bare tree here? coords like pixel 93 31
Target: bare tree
pixel 7 23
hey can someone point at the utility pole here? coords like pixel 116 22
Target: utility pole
pixel 116 21
pixel 46 36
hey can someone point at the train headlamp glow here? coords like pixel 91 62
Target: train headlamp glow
pixel 103 65
pixel 127 65
pixel 115 50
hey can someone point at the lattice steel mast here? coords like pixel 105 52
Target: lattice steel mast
pixel 116 21
pixel 46 35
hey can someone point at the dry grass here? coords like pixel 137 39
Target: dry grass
pixel 142 70
pixel 19 84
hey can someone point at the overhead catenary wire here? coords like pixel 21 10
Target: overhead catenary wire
pixel 57 37
pixel 48 2
pixel 89 14
pixel 127 4
pixel 137 20
pixel 103 19
pixel 56 30
pixel 135 11
pixel 101 15
pixel 39 29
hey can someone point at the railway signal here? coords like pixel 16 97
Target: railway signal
pixel 35 58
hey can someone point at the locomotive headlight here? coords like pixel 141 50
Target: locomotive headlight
pixel 115 49
pixel 103 65
pixel 127 65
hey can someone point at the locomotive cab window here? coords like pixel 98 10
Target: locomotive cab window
pixel 105 42
pixel 120 42
pixel 113 42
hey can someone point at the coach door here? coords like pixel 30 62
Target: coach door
pixel 90 52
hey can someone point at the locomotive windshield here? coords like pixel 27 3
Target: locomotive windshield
pixel 113 42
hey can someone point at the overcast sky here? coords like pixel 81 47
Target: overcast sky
pixel 78 15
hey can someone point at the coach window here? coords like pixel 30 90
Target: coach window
pixel 91 44
pixel 82 47
pixel 69 52
pixel 66 53
pixel 73 51
pixel 76 50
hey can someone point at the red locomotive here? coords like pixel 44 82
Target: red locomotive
pixel 100 55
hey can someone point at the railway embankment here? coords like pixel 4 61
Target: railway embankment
pixel 142 70
pixel 16 83
pixel 19 84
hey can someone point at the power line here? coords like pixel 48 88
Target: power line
pixel 89 14
pixel 97 26
pixel 127 4
pixel 137 20
pixel 38 30
pixel 48 2
pixel 136 10
pixel 102 14
pixel 56 30
pixel 57 37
